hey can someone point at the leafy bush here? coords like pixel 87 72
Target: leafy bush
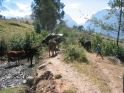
pixel 121 54
pixel 109 48
pixel 96 39
pixel 17 42
pixel 73 52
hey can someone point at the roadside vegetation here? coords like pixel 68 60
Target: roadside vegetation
pixel 74 53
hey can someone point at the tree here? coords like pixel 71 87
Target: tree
pixel 37 26
pixel 117 12
pixel 116 9
pixel 47 12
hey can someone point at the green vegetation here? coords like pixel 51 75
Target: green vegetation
pixel 16 34
pixel 71 89
pixel 48 19
pixel 58 76
pixel 17 89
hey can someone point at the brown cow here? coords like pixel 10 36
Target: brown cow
pixel 15 54
pixel 52 47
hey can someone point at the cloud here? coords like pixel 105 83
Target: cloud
pixel 21 10
pixel 7 0
pixel 24 7
pixel 76 5
pixel 107 7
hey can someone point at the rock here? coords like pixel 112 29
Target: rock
pixel 24 81
pixel 41 67
pixel 114 60
pixel 30 80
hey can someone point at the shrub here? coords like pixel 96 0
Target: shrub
pixel 17 41
pixel 120 55
pixel 58 76
pixel 73 52
pixel 109 48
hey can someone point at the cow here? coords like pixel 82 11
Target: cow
pixel 31 51
pixel 86 44
pixel 56 37
pixel 1 51
pixel 15 54
pixel 52 47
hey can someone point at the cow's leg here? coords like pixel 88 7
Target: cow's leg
pixel 49 51
pixel 9 61
pixel 31 58
pixel 18 61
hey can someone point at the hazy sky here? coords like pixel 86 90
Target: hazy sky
pixel 77 9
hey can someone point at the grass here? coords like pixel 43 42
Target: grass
pixel 58 76
pixel 9 27
pixel 94 74
pixel 70 89
pixel 17 89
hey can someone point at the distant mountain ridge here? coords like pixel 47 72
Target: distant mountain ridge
pixel 100 15
pixel 69 21
pixel 14 7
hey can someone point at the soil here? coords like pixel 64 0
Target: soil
pixel 111 75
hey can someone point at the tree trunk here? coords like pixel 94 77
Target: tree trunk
pixel 119 25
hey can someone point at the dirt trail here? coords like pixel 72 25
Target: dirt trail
pixel 111 72
pixel 70 77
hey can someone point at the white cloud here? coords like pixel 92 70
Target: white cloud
pixel 7 0
pixel 23 7
pixel 83 19
pixel 73 5
pixel 22 11
pixel 108 7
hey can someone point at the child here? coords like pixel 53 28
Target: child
pixel 99 49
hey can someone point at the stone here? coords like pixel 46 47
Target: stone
pixel 30 80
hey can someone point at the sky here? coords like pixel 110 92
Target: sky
pixel 78 10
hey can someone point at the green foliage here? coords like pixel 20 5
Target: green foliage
pixel 109 48
pixel 73 52
pixel 58 76
pixel 17 42
pixel 37 26
pixel 48 12
pixel 16 89
pixel 96 39
pixel 121 54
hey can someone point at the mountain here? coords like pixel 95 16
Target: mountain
pixel 100 15
pixel 69 21
pixel 12 10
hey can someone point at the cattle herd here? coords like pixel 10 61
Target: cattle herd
pixel 52 40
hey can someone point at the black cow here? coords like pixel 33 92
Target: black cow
pixel 52 36
pixel 1 51
pixel 31 51
pixel 86 44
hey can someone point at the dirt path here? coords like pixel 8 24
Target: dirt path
pixel 112 74
pixel 70 77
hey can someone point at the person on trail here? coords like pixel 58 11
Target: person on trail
pixel 99 49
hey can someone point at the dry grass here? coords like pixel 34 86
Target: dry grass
pixel 94 73
pixel 9 27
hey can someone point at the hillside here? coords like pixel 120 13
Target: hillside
pixel 10 27
pixel 100 76
pixel 55 75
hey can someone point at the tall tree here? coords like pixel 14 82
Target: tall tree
pixel 117 9
pixel 47 12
